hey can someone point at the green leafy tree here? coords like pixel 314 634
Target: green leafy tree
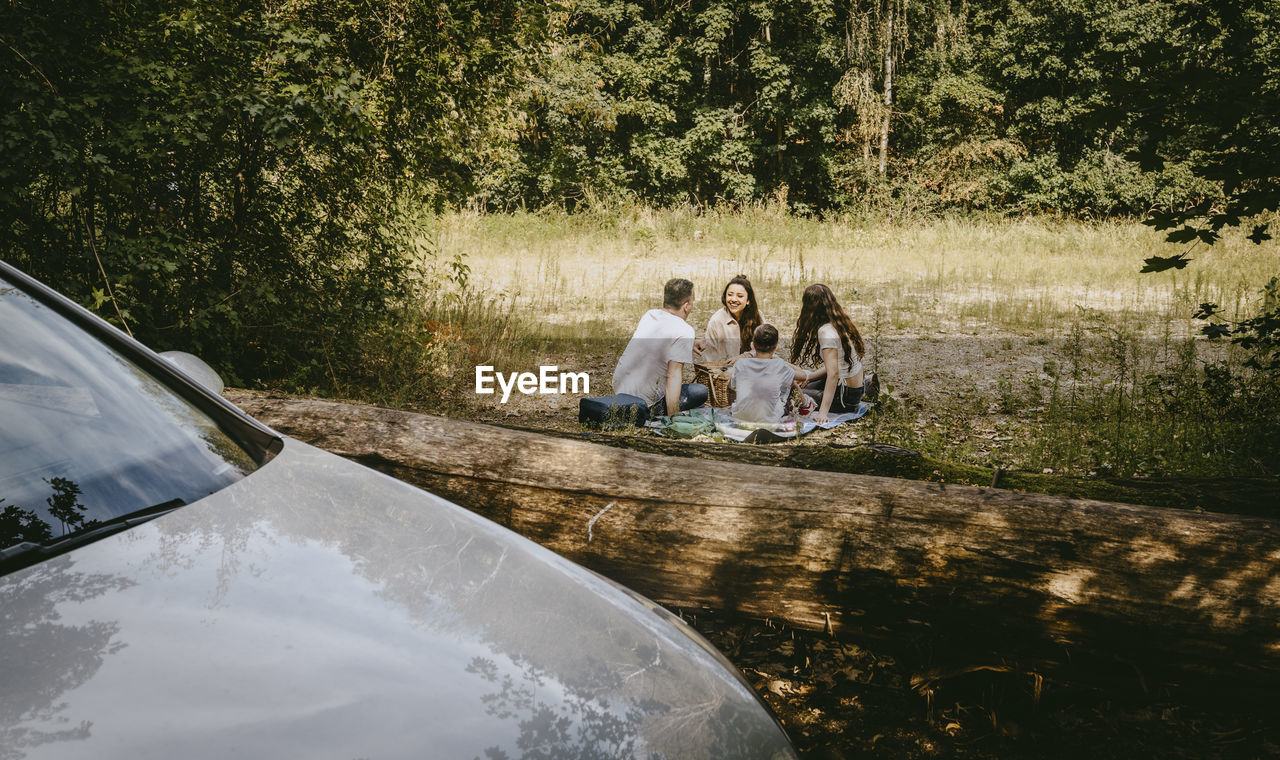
pixel 233 177
pixel 1215 96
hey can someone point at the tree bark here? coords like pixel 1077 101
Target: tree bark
pixel 1046 582
pixel 1257 495
pixel 888 95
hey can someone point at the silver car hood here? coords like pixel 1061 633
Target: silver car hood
pixel 318 609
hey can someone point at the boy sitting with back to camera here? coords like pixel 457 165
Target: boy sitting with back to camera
pixel 763 381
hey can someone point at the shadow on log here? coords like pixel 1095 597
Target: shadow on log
pixel 1045 581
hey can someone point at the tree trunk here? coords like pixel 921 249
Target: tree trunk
pixel 706 80
pixel 1044 581
pixel 778 149
pixel 1243 495
pixel 888 95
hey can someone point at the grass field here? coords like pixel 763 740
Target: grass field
pixel 1032 345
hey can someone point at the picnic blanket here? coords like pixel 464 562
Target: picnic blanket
pixel 706 420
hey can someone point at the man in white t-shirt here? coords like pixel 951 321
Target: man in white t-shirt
pixel 652 366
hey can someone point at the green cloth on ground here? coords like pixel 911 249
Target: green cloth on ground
pixel 688 425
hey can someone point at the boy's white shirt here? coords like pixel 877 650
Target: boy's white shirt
pixel 762 387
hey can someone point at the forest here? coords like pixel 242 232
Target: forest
pixel 250 180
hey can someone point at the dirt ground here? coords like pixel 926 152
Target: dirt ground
pixel 946 384
pixel 938 367
pixel 839 699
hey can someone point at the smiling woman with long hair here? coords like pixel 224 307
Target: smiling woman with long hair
pixel 730 329
pixel 826 336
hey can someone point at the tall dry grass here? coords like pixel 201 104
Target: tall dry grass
pixel 606 265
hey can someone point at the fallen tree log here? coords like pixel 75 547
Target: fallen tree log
pixel 1249 495
pixel 1043 579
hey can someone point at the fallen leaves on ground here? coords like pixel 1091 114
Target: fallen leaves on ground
pixel 839 699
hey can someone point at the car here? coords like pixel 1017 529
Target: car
pixel 180 581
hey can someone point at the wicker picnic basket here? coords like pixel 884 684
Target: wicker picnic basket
pixel 716 378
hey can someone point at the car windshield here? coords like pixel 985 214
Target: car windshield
pixel 87 436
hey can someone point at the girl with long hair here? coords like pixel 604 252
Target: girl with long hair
pixel 825 335
pixel 730 329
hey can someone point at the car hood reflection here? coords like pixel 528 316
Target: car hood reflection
pixel 318 609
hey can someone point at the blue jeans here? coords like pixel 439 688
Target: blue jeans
pixel 692 396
